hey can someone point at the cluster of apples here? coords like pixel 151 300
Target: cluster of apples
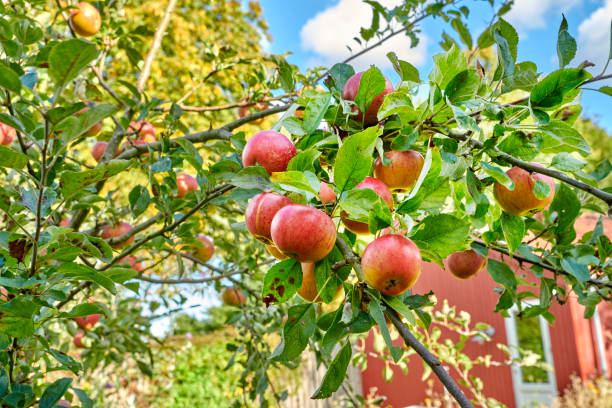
pixel 143 131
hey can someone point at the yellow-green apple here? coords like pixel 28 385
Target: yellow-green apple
pixel 272 250
pixel 7 134
pixel 522 200
pixel 143 131
pixel 326 193
pixel 269 149
pixel 133 262
pixel 206 250
pixel 185 183
pixel 379 188
pixel 232 296
pixel 303 233
pixel 391 264
pixel 78 339
pixel 95 129
pixel 349 93
pixel 308 291
pixel 465 264
pixel 403 171
pixel 259 214
pixel 85 19
pixel 118 230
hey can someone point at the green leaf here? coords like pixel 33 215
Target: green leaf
pixel 298 329
pixel 73 128
pixel 463 32
pixel 68 58
pixel 191 153
pixel 371 84
pixel 447 66
pixel 9 79
pixel 357 203
pixel 335 373
pixel 19 327
pixel 442 233
pixel 84 309
pixel 252 177
pixel 522 145
pixel 541 189
pixel 464 122
pixel 567 206
pixel 282 281
pixel 514 230
pixel 502 274
pixel 505 55
pixel 551 90
pixel 86 273
pixel 4 382
pixel 139 199
pixel 329 281
pixel 463 86
pixel 561 137
pixel 12 159
pixel 578 270
pixel 85 400
pixel 66 361
pixel 354 159
pixel 566 45
pixel 406 70
pixel 339 74
pixel 315 110
pixel 498 174
pixel 605 90
pixel 297 181
pixel 405 139
pixel 304 161
pixel 397 103
pixel 376 312
pixel 54 392
pixel 72 182
pixel 475 189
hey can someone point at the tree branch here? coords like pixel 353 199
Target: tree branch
pixel 184 281
pixel 135 230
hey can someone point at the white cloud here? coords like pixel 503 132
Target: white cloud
pixel 329 32
pixel 594 37
pixel 527 15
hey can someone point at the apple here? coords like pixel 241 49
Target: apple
pixel 98 150
pixel 7 134
pixel 349 93
pixel 403 171
pixel 133 262
pixel 143 130
pixel 185 183
pixel 3 294
pixel 272 250
pixel 63 403
pixel 308 291
pixel 65 222
pixel 521 200
pixel 269 149
pixel 95 129
pixel 465 264
pixel 326 193
pixel 205 252
pixel 391 264
pixel 379 188
pixel 246 110
pixel 85 19
pixel 77 339
pixel 303 233
pixel 87 322
pixel 232 296
pixel 259 214
pixel 299 114
pixel 117 230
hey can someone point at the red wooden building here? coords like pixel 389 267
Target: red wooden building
pixel 573 345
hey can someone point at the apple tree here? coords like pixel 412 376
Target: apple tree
pixel 309 200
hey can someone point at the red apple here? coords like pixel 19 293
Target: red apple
pixel 65 222
pixel 259 214
pixel 303 233
pixel 521 200
pixel 465 264
pixel 246 110
pixel 117 230
pixel 391 264
pixel 87 322
pixel 326 193
pixel 95 129
pixel 133 262
pixel 3 294
pixel 205 252
pixel 379 188
pixel 403 171
pixel 349 93
pixel 85 19
pixel 185 183
pixel 77 339
pixel 98 150
pixel 63 403
pixel 7 134
pixel 308 291
pixel 143 130
pixel 269 149
pixel 272 250
pixel 232 296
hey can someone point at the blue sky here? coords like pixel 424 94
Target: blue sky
pixel 317 32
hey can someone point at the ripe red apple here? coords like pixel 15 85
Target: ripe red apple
pixel 308 291
pixel 259 214
pixel 7 134
pixel 465 264
pixel 3 294
pixel 185 183
pixel 391 264
pixel 521 200
pixel 87 322
pixel 117 230
pixel 143 130
pixel 379 188
pixel 133 262
pixel 326 193
pixel 272 250
pixel 349 93
pixel 403 171
pixel 63 403
pixel 77 339
pixel 98 150
pixel 205 252
pixel 269 149
pixel 303 233
pixel 85 19
pixel 65 222
pixel 232 296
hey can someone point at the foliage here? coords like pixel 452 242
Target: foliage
pixel 59 259
pixel 596 393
